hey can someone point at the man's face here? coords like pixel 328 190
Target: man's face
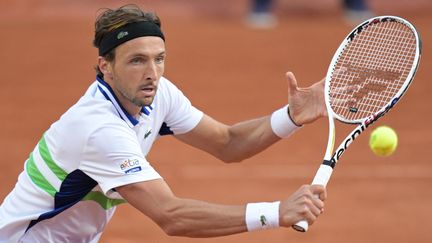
pixel 136 70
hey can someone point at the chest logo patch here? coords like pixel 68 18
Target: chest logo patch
pixel 148 132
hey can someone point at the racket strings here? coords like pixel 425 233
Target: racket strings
pixel 372 69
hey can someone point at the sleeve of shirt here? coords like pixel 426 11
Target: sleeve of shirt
pixel 113 158
pixel 181 115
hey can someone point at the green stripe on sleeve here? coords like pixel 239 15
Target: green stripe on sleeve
pixel 102 200
pixel 37 177
pixel 46 156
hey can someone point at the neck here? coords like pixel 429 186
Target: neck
pixel 130 107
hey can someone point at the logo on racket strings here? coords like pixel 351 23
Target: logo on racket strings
pixel 369 81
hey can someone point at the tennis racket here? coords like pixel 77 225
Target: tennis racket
pixel 369 73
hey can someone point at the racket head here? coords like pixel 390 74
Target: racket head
pixel 372 68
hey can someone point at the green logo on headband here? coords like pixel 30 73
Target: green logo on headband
pixel 122 34
pixel 263 220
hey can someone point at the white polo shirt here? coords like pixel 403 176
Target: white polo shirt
pixel 65 193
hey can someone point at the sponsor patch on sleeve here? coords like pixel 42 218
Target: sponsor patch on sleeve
pixel 130 166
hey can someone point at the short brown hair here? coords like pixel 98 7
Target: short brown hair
pixel 111 19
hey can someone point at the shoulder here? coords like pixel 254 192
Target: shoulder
pixel 169 92
pixel 87 115
pixel 167 87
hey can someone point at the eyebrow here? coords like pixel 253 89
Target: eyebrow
pixel 163 53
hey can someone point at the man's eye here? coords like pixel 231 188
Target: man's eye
pixel 160 59
pixel 136 60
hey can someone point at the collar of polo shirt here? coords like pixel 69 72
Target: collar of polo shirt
pixel 108 93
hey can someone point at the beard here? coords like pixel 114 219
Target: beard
pixel 140 102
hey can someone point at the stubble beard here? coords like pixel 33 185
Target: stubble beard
pixel 146 101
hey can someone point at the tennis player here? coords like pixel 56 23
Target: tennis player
pixel 94 157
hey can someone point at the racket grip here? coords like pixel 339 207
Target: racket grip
pixel 321 178
pixel 301 226
pixel 323 175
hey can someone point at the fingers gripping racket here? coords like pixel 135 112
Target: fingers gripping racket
pixel 369 73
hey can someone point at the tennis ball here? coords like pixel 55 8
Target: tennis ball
pixel 383 141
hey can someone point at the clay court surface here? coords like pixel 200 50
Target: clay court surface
pixel 232 73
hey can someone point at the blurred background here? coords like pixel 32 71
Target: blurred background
pixel 230 58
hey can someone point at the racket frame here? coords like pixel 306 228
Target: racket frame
pixel 325 170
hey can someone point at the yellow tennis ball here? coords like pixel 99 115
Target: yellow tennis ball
pixel 383 141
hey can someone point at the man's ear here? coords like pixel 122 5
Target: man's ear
pixel 105 67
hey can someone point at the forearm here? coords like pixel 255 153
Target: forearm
pixel 249 138
pixel 183 217
pixel 242 140
pixel 192 218
pixel 231 143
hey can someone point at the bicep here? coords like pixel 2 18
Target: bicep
pixel 209 135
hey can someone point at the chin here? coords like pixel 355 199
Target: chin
pixel 144 102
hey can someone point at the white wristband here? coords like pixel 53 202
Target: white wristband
pixel 260 216
pixel 281 124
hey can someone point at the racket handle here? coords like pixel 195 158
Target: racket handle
pixel 323 175
pixel 321 178
pixel 301 226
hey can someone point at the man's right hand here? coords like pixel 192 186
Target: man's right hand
pixel 307 203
